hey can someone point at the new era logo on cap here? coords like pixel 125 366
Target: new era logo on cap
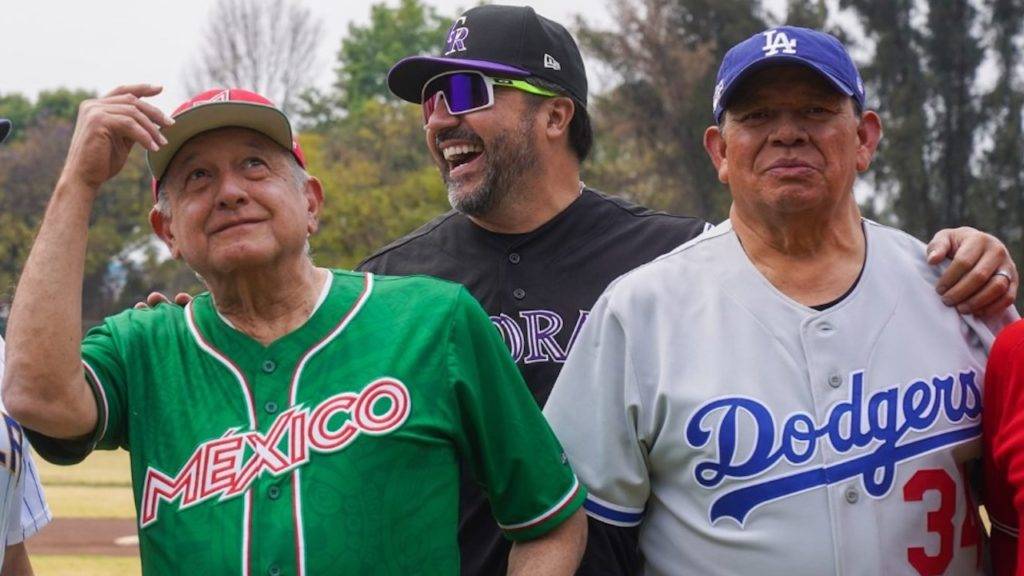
pixel 818 51
pixel 550 62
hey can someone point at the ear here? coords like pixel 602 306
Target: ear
pixel 314 193
pixel 869 134
pixel 560 111
pixel 714 143
pixel 161 225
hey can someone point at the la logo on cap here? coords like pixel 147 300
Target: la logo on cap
pixel 775 41
pixel 457 37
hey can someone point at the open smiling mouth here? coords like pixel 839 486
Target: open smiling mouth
pixel 461 155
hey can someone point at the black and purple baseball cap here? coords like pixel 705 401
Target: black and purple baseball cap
pixel 818 51
pixel 5 128
pixel 503 41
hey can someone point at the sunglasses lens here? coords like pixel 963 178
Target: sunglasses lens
pixel 462 92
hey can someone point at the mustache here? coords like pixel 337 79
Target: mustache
pixel 457 133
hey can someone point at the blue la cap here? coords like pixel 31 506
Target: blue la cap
pixel 820 52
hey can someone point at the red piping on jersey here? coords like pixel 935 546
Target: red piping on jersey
pixel 300 560
pixel 247 538
pixel 545 517
pixel 224 358
pixel 294 387
pixel 251 401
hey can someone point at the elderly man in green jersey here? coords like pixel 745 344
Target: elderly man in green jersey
pixel 293 420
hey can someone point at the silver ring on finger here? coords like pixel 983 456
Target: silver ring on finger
pixel 1004 274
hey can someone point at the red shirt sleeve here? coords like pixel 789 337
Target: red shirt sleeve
pixel 1003 435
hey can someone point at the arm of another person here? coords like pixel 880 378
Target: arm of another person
pixel 981 278
pixel 594 410
pixel 502 435
pixel 557 552
pixel 44 385
pixel 16 562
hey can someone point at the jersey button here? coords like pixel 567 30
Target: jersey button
pixel 519 293
pixel 835 380
pixel 270 407
pixel 269 366
pixel 273 493
pixel 274 571
pixel 852 496
pixel 514 258
pixel 826 329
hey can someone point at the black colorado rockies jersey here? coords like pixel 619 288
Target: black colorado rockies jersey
pixel 537 288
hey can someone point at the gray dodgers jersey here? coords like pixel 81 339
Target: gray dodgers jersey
pixel 747 433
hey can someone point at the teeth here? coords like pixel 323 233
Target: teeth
pixel 453 151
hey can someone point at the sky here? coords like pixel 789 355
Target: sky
pixel 100 44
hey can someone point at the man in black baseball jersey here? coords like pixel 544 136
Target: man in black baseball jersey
pixel 506 122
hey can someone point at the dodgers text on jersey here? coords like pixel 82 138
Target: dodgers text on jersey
pixel 872 430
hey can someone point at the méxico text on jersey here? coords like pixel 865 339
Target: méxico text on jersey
pixel 224 467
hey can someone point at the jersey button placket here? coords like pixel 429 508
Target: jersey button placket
pixel 852 495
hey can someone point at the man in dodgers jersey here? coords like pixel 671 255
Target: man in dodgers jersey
pixel 23 509
pixel 293 420
pixel 784 394
pixel 531 243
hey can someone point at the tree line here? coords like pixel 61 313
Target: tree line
pixel 945 75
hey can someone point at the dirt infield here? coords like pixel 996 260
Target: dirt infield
pixel 96 536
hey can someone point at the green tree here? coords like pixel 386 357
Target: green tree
pixel 29 168
pixel 379 182
pixel 367 145
pixel 368 52
pixel 999 200
pixel 663 56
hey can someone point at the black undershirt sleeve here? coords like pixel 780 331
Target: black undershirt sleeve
pixel 611 550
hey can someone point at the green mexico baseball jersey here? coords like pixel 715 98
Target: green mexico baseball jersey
pixel 335 449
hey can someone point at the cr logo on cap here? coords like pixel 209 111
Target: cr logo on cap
pixel 457 37
pixel 775 41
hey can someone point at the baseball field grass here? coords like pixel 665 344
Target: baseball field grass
pixel 59 565
pixel 98 491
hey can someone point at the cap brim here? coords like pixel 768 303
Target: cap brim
pixel 407 77
pixel 268 121
pixel 5 129
pixel 778 60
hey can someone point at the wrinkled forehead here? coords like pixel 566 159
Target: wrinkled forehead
pixel 787 81
pixel 223 142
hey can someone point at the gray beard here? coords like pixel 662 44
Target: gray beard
pixel 510 159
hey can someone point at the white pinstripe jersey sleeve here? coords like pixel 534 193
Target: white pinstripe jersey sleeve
pixel 24 520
